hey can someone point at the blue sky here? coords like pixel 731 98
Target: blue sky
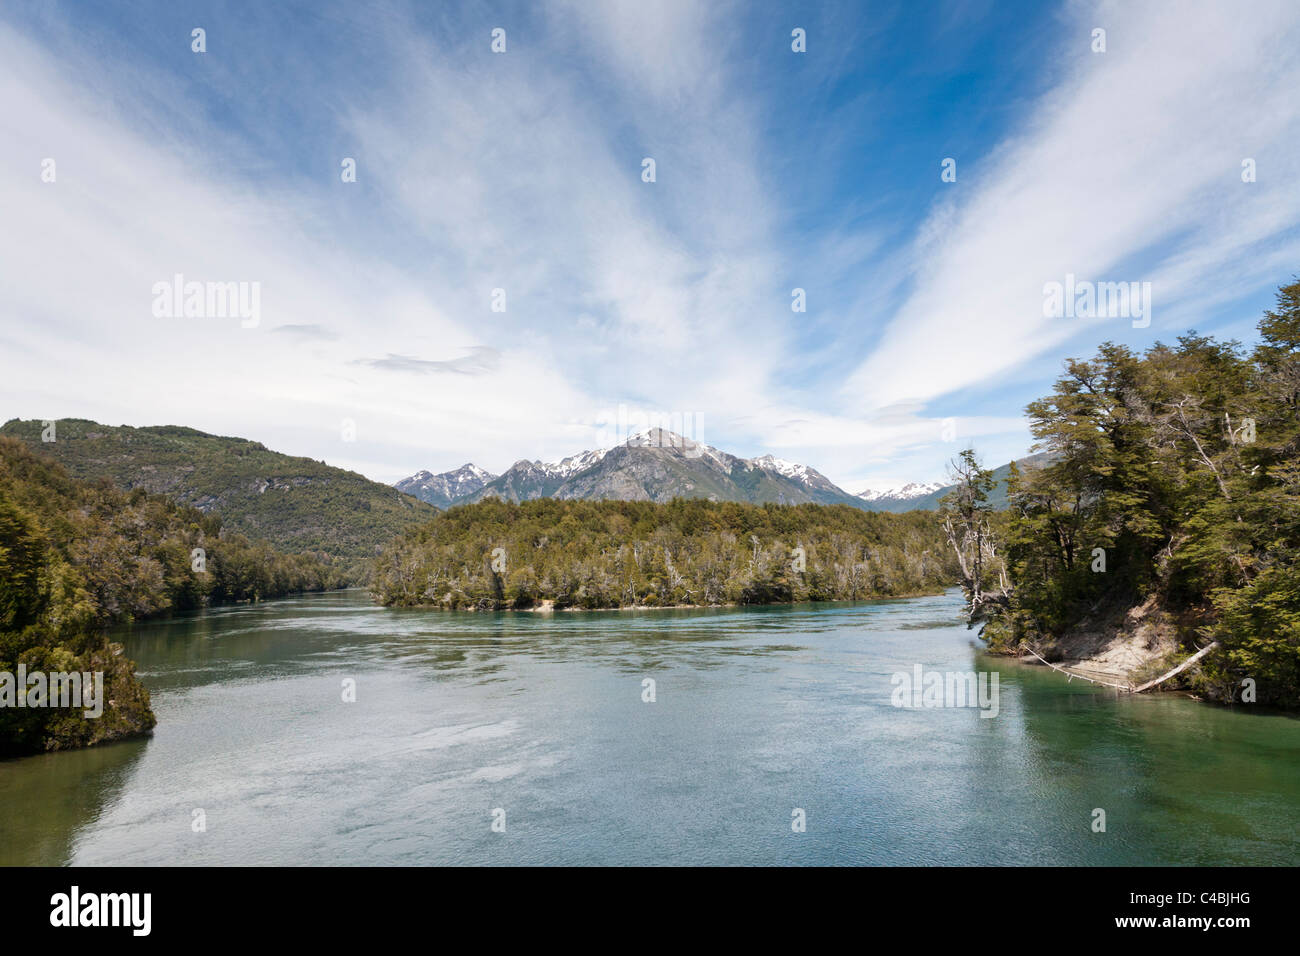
pixel 376 347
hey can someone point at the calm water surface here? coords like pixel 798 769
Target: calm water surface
pixel 758 711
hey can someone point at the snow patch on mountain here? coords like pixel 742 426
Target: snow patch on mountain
pixel 648 438
pixel 913 489
pixel 574 463
pixel 791 469
pixel 448 485
pixel 690 448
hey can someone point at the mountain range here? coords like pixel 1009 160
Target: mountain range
pixel 444 489
pixel 901 499
pixel 299 504
pixel 653 465
pixel 659 465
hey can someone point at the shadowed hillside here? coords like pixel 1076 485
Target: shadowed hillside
pixel 296 504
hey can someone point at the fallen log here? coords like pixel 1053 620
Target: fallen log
pixel 1181 667
pixel 1072 675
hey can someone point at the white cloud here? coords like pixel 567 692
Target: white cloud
pixel 1129 170
pixel 522 172
pixel 505 178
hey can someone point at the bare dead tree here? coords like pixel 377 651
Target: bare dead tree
pixel 965 515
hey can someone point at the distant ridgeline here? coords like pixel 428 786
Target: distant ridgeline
pixel 76 557
pixel 610 554
pixel 295 504
pixel 997 497
pixel 1170 503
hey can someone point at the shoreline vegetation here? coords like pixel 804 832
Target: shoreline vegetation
pixel 1164 527
pixel 548 606
pixel 77 558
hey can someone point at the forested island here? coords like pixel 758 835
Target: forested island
pixel 496 555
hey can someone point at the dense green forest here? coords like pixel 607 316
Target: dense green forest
pixel 77 557
pixel 610 554
pixel 295 504
pixel 1173 478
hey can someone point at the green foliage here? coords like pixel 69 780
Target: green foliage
pixel 1183 465
pixel 609 554
pixel 76 558
pixel 295 504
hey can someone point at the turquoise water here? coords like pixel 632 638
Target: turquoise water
pixel 758 712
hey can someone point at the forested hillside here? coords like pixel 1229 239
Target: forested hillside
pixel 608 554
pixel 295 504
pixel 1174 486
pixel 76 557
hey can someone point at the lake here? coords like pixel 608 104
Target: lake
pixel 757 714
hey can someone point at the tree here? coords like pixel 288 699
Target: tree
pixel 966 516
pixel 1177 472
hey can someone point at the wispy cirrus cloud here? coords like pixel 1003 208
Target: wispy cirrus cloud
pixel 1128 169
pixel 520 174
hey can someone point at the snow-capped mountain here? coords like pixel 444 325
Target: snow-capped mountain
pixel 442 489
pixel 791 469
pixel 913 489
pixel 659 465
pixel 574 463
pixel 923 495
pixel 805 475
pixel 652 465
